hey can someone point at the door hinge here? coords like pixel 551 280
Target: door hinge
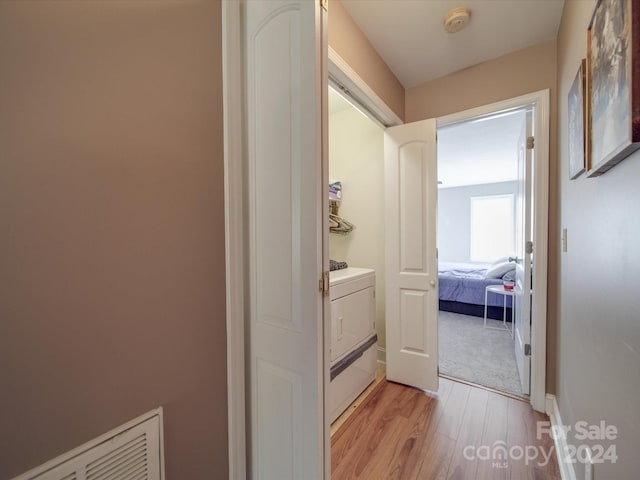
pixel 529 246
pixel 530 143
pixel 323 283
pixel 324 4
pixel 527 349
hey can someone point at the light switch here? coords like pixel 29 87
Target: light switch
pixel 564 239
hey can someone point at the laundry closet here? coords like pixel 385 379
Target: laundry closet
pixel 356 250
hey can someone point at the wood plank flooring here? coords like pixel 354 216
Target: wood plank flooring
pixel 404 434
pixel 380 377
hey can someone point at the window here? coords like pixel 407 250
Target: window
pixel 492 227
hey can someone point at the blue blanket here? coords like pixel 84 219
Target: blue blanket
pixel 465 283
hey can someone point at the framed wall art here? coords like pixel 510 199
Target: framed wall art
pixel 613 80
pixel 577 116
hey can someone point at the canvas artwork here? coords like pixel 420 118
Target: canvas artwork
pixel 576 124
pixel 614 130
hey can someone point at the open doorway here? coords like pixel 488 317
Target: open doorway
pixel 478 218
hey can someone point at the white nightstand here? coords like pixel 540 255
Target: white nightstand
pixel 500 290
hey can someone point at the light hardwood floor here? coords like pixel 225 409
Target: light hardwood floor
pixel 402 433
pixel 380 376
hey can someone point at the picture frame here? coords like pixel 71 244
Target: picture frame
pixel 613 82
pixel 577 116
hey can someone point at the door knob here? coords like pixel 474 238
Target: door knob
pixel 432 283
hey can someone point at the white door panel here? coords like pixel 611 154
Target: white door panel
pixel 283 68
pixel 411 264
pixel 522 327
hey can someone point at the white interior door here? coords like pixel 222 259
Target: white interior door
pixel 524 248
pixel 284 60
pixel 411 263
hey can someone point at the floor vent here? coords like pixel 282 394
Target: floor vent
pixel 130 452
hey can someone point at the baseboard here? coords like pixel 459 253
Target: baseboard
pixel 567 472
pixel 382 355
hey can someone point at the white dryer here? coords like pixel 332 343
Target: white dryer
pixel 353 337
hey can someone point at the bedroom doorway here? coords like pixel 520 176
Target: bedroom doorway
pixel 477 188
pixel 484 214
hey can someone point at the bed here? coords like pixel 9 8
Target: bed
pixel 462 288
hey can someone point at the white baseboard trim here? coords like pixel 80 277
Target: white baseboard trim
pixel 382 355
pixel 567 472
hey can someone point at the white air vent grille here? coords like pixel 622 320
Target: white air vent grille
pixel 130 452
pixel 128 462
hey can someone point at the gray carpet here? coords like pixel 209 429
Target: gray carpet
pixel 470 352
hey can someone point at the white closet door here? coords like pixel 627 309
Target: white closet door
pixel 284 58
pixel 411 262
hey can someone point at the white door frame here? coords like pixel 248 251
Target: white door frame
pixel 234 238
pixel 540 100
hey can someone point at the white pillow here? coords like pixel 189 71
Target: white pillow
pixel 497 271
pixel 499 261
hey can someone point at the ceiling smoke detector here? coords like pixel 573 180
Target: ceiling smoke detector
pixel 456 19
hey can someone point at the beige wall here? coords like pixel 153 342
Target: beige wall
pixel 356 158
pixel 111 204
pixel 512 75
pixel 509 76
pixel 598 368
pixel 346 38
